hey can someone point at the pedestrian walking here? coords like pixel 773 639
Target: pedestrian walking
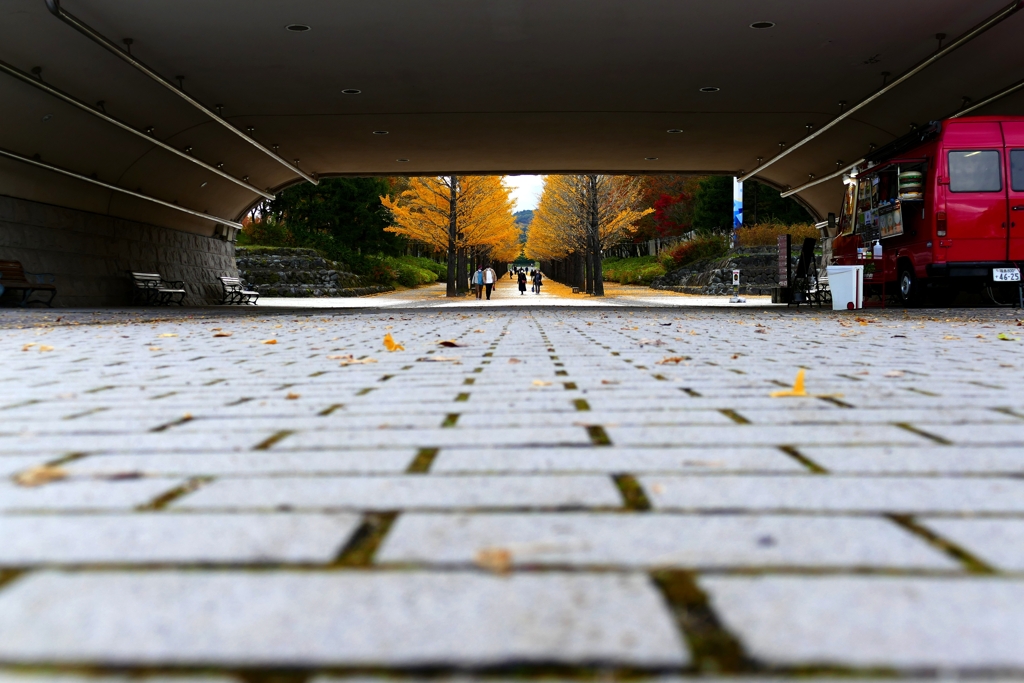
pixel 490 279
pixel 538 280
pixel 478 281
pixel 522 282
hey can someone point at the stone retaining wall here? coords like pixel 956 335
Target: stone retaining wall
pixel 758 268
pixel 90 254
pixel 287 272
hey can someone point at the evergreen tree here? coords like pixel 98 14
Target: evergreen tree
pixel 712 204
pixel 344 211
pixel 762 204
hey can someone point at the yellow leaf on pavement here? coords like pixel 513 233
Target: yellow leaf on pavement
pixel 797 390
pixel 37 476
pixel 391 345
pixel 269 341
pixel 494 559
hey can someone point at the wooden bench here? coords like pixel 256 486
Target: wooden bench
pixel 236 293
pixel 14 277
pixel 153 290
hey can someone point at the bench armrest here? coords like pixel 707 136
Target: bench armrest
pixel 177 284
pixel 42 278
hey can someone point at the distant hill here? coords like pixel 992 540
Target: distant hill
pixel 523 218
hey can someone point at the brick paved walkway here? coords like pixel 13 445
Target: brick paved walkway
pixel 570 491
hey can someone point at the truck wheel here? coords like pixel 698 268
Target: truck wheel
pixel 908 287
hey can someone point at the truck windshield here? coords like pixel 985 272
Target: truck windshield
pixel 974 171
pixel 1017 169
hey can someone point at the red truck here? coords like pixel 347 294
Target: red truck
pixel 945 209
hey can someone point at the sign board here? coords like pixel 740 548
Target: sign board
pixel 890 219
pixel 736 278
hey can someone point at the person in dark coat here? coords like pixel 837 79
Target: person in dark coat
pixel 538 279
pixel 522 282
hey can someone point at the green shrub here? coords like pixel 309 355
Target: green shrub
pixel 265 234
pixel 440 270
pixel 638 270
pixel 711 246
pixel 408 272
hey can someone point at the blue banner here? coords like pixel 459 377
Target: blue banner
pixel 737 203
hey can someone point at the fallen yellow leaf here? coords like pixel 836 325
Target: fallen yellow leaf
pixel 292 397
pixel 226 334
pixel 797 390
pixel 494 559
pixel 541 383
pixel 26 347
pixel 391 345
pixel 155 348
pixel 44 347
pixel 269 341
pixel 37 476
pixel 673 360
pixel 167 334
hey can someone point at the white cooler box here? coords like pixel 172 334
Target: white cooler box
pixel 847 285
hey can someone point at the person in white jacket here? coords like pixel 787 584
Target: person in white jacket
pixel 490 279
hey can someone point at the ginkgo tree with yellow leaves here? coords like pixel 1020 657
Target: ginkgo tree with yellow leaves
pixel 468 216
pixel 577 218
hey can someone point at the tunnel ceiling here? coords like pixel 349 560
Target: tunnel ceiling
pixel 502 86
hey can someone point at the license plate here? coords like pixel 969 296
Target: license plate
pixel 1006 275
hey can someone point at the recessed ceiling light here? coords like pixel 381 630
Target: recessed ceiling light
pixel 650 158
pixel 762 24
pixel 710 88
pixel 674 130
pixel 380 132
pixel 402 161
pixel 298 28
pixel 47 117
pixel 350 91
pixel 202 186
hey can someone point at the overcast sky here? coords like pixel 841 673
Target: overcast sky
pixel 526 190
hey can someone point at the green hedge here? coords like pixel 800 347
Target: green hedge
pixel 411 271
pixel 636 270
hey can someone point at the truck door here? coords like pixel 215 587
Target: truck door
pixel 1013 134
pixel 975 194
